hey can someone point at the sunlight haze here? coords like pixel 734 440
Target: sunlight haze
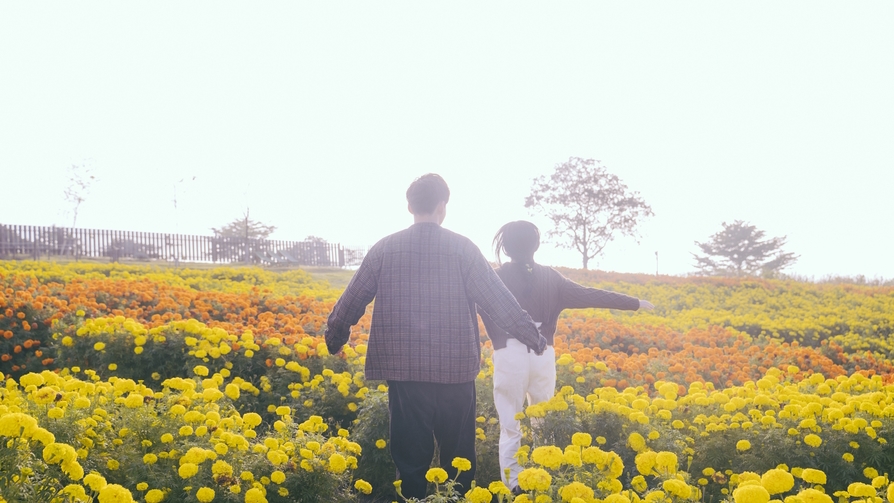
pixel 317 116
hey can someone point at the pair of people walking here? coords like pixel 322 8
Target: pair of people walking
pixel 430 285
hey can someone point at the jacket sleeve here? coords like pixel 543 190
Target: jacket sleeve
pixel 352 304
pixel 575 296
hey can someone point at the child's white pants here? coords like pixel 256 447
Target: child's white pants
pixel 519 374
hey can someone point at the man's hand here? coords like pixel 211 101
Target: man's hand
pixel 541 347
pixel 645 304
pixel 332 349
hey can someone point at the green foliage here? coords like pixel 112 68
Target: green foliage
pixel 741 250
pixel 244 228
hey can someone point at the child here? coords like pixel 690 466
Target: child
pixel 543 292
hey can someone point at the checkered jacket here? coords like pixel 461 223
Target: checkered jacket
pixel 426 282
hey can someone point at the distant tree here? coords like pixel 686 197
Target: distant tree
pixel 245 228
pixel 588 206
pixel 80 178
pixel 741 250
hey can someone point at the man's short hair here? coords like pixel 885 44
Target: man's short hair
pixel 426 192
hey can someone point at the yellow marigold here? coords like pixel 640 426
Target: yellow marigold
pixel 187 470
pixel 860 489
pixel 363 486
pixel 31 379
pixel 99 346
pixel 255 495
pixel 890 493
pixel 150 459
pixel 813 476
pixel 813 496
pixel 813 440
pixel 636 442
pixel 645 462
pixel 777 481
pixel 75 492
pixel 743 445
pixel 534 479
pixel 278 477
pixel 847 457
pixel 436 475
pixel 205 494
pixel 548 456
pixel 581 439
pixel 479 495
pixel 462 464
pixel 499 488
pixel 380 443
pixel 666 462
pixel 59 453
pixel 114 493
pixel 751 494
pixel 95 481
pixel 337 463
pixel 251 420
pixel 576 490
pixel 221 467
pixel 678 488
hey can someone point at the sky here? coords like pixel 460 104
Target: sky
pixel 316 116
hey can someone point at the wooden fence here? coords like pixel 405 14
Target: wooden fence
pixel 27 241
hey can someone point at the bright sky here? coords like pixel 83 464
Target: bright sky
pixel 318 115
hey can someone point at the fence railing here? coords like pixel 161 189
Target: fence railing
pixel 36 242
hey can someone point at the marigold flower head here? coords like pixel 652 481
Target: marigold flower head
pixel 205 494
pixel 363 486
pixel 187 470
pixel 479 495
pixel 751 494
pixel 813 496
pixel 581 439
pixel 548 456
pixel 859 489
pixel 337 463
pixel 576 490
pixel 534 479
pixel 499 488
pixel 255 495
pixel 436 475
pixel 777 481
pixel 462 464
pixel 813 440
pixel 813 476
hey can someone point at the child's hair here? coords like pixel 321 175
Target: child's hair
pixel 518 240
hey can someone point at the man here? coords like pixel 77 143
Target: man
pixel 424 338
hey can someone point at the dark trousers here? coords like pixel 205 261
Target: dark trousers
pixel 422 413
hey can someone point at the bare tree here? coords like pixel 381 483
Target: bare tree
pixel 588 206
pixel 80 179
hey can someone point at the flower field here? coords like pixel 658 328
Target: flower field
pixel 135 383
